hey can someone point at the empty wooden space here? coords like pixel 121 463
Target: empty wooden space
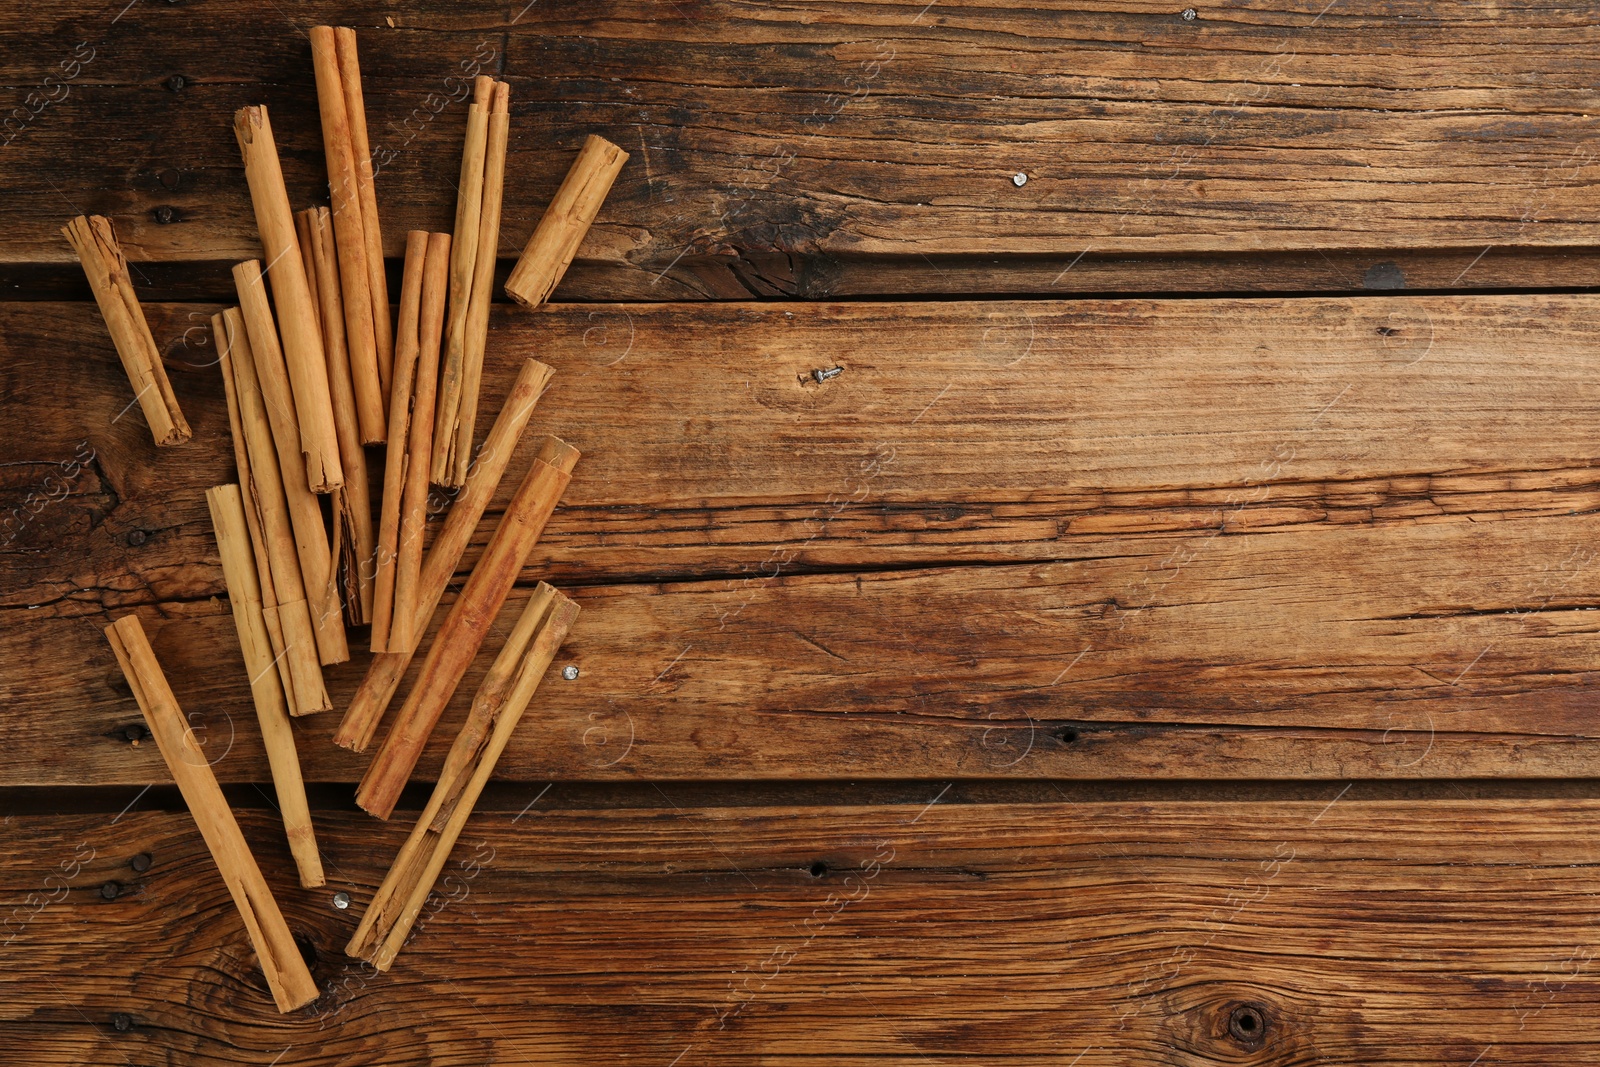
pixel 1074 568
pixel 1113 933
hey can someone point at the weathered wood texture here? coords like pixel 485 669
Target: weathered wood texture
pixel 817 148
pixel 1114 933
pixel 1232 538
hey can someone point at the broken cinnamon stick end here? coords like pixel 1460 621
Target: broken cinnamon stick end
pixel 559 454
pixel 247 121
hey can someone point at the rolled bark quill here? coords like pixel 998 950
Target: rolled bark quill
pixel 553 244
pixel 477 325
pixel 383 675
pixel 394 468
pixel 103 264
pixel 403 631
pixel 272 709
pixel 464 628
pixel 302 341
pixel 353 510
pixel 286 973
pixel 463 270
pixel 264 475
pixel 305 514
pixel 349 231
pixel 498 707
pixel 222 338
pixel 344 40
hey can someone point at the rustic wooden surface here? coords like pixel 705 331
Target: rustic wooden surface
pixel 1149 673
pixel 1360 144
pixel 1113 933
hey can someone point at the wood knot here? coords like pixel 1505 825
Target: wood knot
pixel 1247 1024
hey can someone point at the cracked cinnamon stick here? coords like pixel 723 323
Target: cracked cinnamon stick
pixel 549 251
pixel 407 348
pixel 414 498
pixel 464 628
pixel 260 469
pixel 302 341
pixel 353 510
pixel 469 325
pixel 93 238
pixel 349 233
pixel 383 675
pixel 226 504
pixel 463 269
pixel 286 973
pixel 344 39
pixel 221 336
pixel 498 706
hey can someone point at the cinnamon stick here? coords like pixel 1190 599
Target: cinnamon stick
pixel 302 342
pixel 272 711
pixel 95 241
pixel 286 973
pixel 344 40
pixel 293 614
pixel 477 320
pixel 311 540
pixel 383 675
pixel 464 628
pixel 553 244
pixel 414 500
pixel 463 268
pixel 498 707
pixel 407 348
pixel 302 230
pixel 350 231
pixel 354 502
pixel 222 336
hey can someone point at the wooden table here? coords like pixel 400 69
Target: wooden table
pixel 1167 639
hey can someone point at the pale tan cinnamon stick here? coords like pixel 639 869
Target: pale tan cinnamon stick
pixel 286 973
pixel 463 268
pixel 310 538
pixel 465 627
pixel 344 39
pixel 383 675
pixel 278 541
pixel 222 335
pixel 477 320
pixel 103 264
pixel 501 700
pixel 354 511
pixel 302 342
pixel 302 230
pixel 414 501
pixel 272 710
pixel 349 229
pixel 560 231
pixel 407 348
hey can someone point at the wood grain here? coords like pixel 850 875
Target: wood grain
pixel 832 132
pixel 1436 650
pixel 957 432
pixel 1239 538
pixel 1115 932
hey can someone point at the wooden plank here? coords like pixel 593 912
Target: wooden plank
pixel 956 432
pixel 832 132
pixel 1276 538
pixel 1429 651
pixel 1117 933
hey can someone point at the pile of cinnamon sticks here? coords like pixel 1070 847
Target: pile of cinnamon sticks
pixel 317 369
